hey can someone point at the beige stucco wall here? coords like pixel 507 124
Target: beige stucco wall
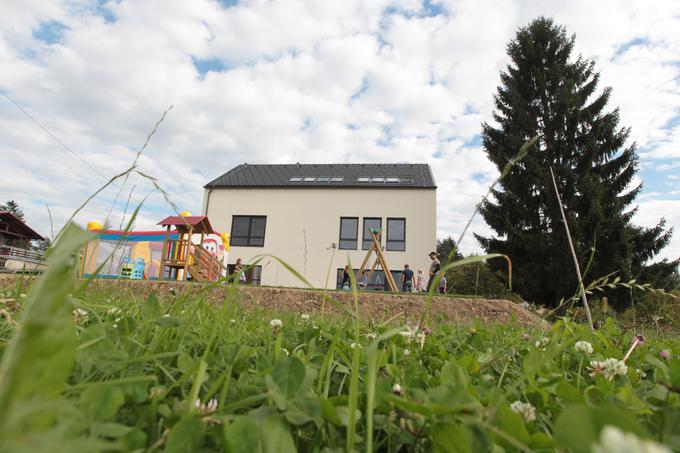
pixel 303 223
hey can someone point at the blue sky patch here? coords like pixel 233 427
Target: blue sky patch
pixel 49 32
pixel 362 89
pixel 474 142
pixel 206 65
pixel 104 12
pixel 386 139
pixel 228 3
pixel 623 48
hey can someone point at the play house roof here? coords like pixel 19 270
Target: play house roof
pixel 200 224
pixel 327 175
pixel 12 226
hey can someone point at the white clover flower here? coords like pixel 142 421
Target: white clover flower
pixel 396 389
pixel 22 295
pixel 613 440
pixel 275 324
pixel 407 335
pixel 167 315
pixel 420 338
pixel 304 317
pixel 232 321
pixel 371 336
pixel 609 368
pixel 355 345
pixel 407 352
pixel 538 343
pixel 526 410
pixel 208 408
pixel 113 311
pixel 80 312
pixel 583 347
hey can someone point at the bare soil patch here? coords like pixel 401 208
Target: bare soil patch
pixel 372 305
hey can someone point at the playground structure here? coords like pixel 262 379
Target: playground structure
pixel 192 250
pixel 181 257
pixel 379 260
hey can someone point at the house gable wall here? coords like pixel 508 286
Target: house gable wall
pixel 303 223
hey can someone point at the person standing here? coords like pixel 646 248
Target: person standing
pixel 442 285
pixel 407 282
pixel 238 270
pixel 345 277
pixel 420 281
pixel 434 268
pixel 363 281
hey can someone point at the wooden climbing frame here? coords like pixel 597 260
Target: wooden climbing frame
pixel 379 259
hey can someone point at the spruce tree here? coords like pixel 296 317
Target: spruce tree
pixel 547 92
pixel 13 208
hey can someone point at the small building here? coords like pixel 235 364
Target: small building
pixel 316 217
pixel 15 241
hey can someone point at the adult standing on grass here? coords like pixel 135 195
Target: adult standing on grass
pixel 434 268
pixel 345 277
pixel 407 280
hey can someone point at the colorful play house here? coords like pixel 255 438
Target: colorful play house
pixel 188 249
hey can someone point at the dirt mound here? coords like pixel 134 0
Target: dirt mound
pixel 372 305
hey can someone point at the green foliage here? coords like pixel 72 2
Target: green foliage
pixel 545 92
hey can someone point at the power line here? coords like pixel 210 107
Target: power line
pixel 67 148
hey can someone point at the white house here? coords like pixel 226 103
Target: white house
pixel 316 217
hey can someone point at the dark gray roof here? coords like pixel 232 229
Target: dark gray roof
pixel 327 175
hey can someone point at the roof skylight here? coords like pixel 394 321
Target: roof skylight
pixel 363 179
pixel 337 179
pixel 378 179
pixel 295 179
pixel 323 178
pixel 309 179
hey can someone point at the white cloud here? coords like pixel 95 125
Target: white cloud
pixel 306 81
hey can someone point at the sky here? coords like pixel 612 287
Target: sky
pixel 350 81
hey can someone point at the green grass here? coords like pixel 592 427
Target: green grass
pixel 127 375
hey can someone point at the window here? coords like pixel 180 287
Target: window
pixel 323 179
pixel 370 223
pixel 376 282
pixel 349 227
pixel 309 179
pixel 248 231
pixel 396 235
pixel 337 179
pixel 377 179
pixel 363 179
pixel 392 180
pixel 295 179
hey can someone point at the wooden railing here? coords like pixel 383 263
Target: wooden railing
pixel 205 267
pixel 177 251
pixel 14 253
